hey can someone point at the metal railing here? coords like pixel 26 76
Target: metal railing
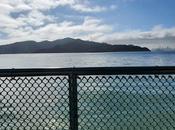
pixel 119 98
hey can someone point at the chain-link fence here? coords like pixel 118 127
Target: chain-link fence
pixel 138 102
pixel 34 103
pixel 88 99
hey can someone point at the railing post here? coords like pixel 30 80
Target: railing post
pixel 73 103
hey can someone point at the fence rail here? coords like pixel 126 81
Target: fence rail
pixel 107 98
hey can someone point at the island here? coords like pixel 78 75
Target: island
pixel 66 45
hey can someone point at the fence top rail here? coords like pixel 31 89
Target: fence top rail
pixel 88 71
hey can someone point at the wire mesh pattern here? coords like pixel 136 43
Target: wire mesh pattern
pixel 34 103
pixel 126 102
pixel 116 98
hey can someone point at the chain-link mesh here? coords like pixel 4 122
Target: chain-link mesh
pixel 118 102
pixel 138 102
pixel 34 103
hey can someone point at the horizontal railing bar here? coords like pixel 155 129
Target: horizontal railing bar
pixel 88 71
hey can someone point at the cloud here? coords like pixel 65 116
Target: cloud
pixel 53 31
pixel 86 8
pixel 35 4
pixel 155 33
pixel 5 8
pixel 35 16
pixel 36 24
pixel 113 7
pixel 157 37
pixel 77 5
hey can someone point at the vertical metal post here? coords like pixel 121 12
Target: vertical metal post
pixel 73 103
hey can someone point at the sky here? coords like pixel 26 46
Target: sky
pixel 148 23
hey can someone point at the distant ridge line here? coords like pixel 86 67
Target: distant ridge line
pixel 66 45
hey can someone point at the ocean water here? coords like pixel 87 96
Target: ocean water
pixel 140 102
pixel 105 102
pixel 62 60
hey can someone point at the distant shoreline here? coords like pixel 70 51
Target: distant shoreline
pixel 66 45
pixel 79 52
pixel 92 52
pixel 85 52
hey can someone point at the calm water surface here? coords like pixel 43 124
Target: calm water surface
pixel 62 60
